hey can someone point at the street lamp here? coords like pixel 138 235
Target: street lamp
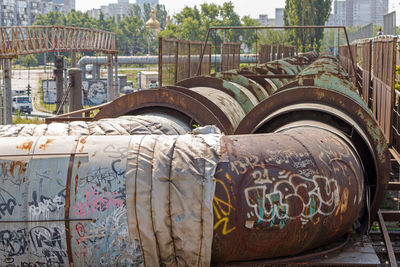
pixel 154 26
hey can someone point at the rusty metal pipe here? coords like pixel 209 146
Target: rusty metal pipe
pixel 285 193
pixel 323 93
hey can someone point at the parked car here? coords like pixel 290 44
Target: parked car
pixel 23 103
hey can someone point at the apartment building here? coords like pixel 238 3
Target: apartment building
pixel 23 12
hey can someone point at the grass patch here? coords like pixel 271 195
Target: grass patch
pixel 19 119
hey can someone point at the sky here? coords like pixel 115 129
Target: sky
pixel 242 7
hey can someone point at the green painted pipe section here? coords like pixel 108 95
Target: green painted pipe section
pixel 328 73
pixel 243 99
pixel 254 87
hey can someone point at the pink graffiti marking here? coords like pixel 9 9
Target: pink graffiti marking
pixel 95 200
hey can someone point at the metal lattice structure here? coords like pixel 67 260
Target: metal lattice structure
pixel 17 41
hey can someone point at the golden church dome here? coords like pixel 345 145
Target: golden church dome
pixel 152 23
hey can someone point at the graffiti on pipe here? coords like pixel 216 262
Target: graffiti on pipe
pixel 291 196
pixel 43 205
pixel 96 200
pixel 43 242
pixel 223 207
pixel 7 203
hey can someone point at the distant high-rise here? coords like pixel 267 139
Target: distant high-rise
pixel 151 2
pixel 117 10
pixel 69 4
pixel 359 12
pixel 23 12
pixel 279 17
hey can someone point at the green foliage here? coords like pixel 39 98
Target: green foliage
pixel 249 36
pixel 132 35
pixel 161 15
pixel 193 23
pixel 18 119
pixel 306 12
pixel 397 82
pixel 53 18
pixel 189 24
pixel 29 61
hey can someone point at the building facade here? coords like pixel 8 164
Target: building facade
pixel 279 17
pixel 359 12
pixel 23 12
pixel 119 9
pixel 151 2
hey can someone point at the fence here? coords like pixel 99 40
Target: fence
pixel 365 31
pixel 179 59
pixel 272 52
pixel 375 79
pixel 230 56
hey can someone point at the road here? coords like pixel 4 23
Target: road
pixel 21 79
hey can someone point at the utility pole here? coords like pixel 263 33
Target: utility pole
pixel 59 73
pixel 7 115
pixel 303 41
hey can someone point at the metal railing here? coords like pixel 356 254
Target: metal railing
pixel 17 41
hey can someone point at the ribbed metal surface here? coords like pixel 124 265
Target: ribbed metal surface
pixel 128 125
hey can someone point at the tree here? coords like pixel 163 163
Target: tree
pixel 249 36
pixel 161 15
pixel 146 12
pixel 29 60
pixel 79 19
pixel 106 24
pixel 52 18
pixel 193 23
pixel 307 12
pixel 135 11
pixel 132 35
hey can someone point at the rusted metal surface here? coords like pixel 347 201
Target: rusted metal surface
pixel 326 72
pixel 366 64
pixel 175 103
pixel 247 93
pixel 226 103
pixel 338 110
pixel 287 196
pixel 230 56
pixel 396 124
pixel 320 185
pixel 216 28
pixel 324 82
pixel 24 40
pixel 242 95
pixel 264 54
pixel 388 243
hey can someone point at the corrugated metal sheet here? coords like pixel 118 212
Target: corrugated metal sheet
pixel 126 125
